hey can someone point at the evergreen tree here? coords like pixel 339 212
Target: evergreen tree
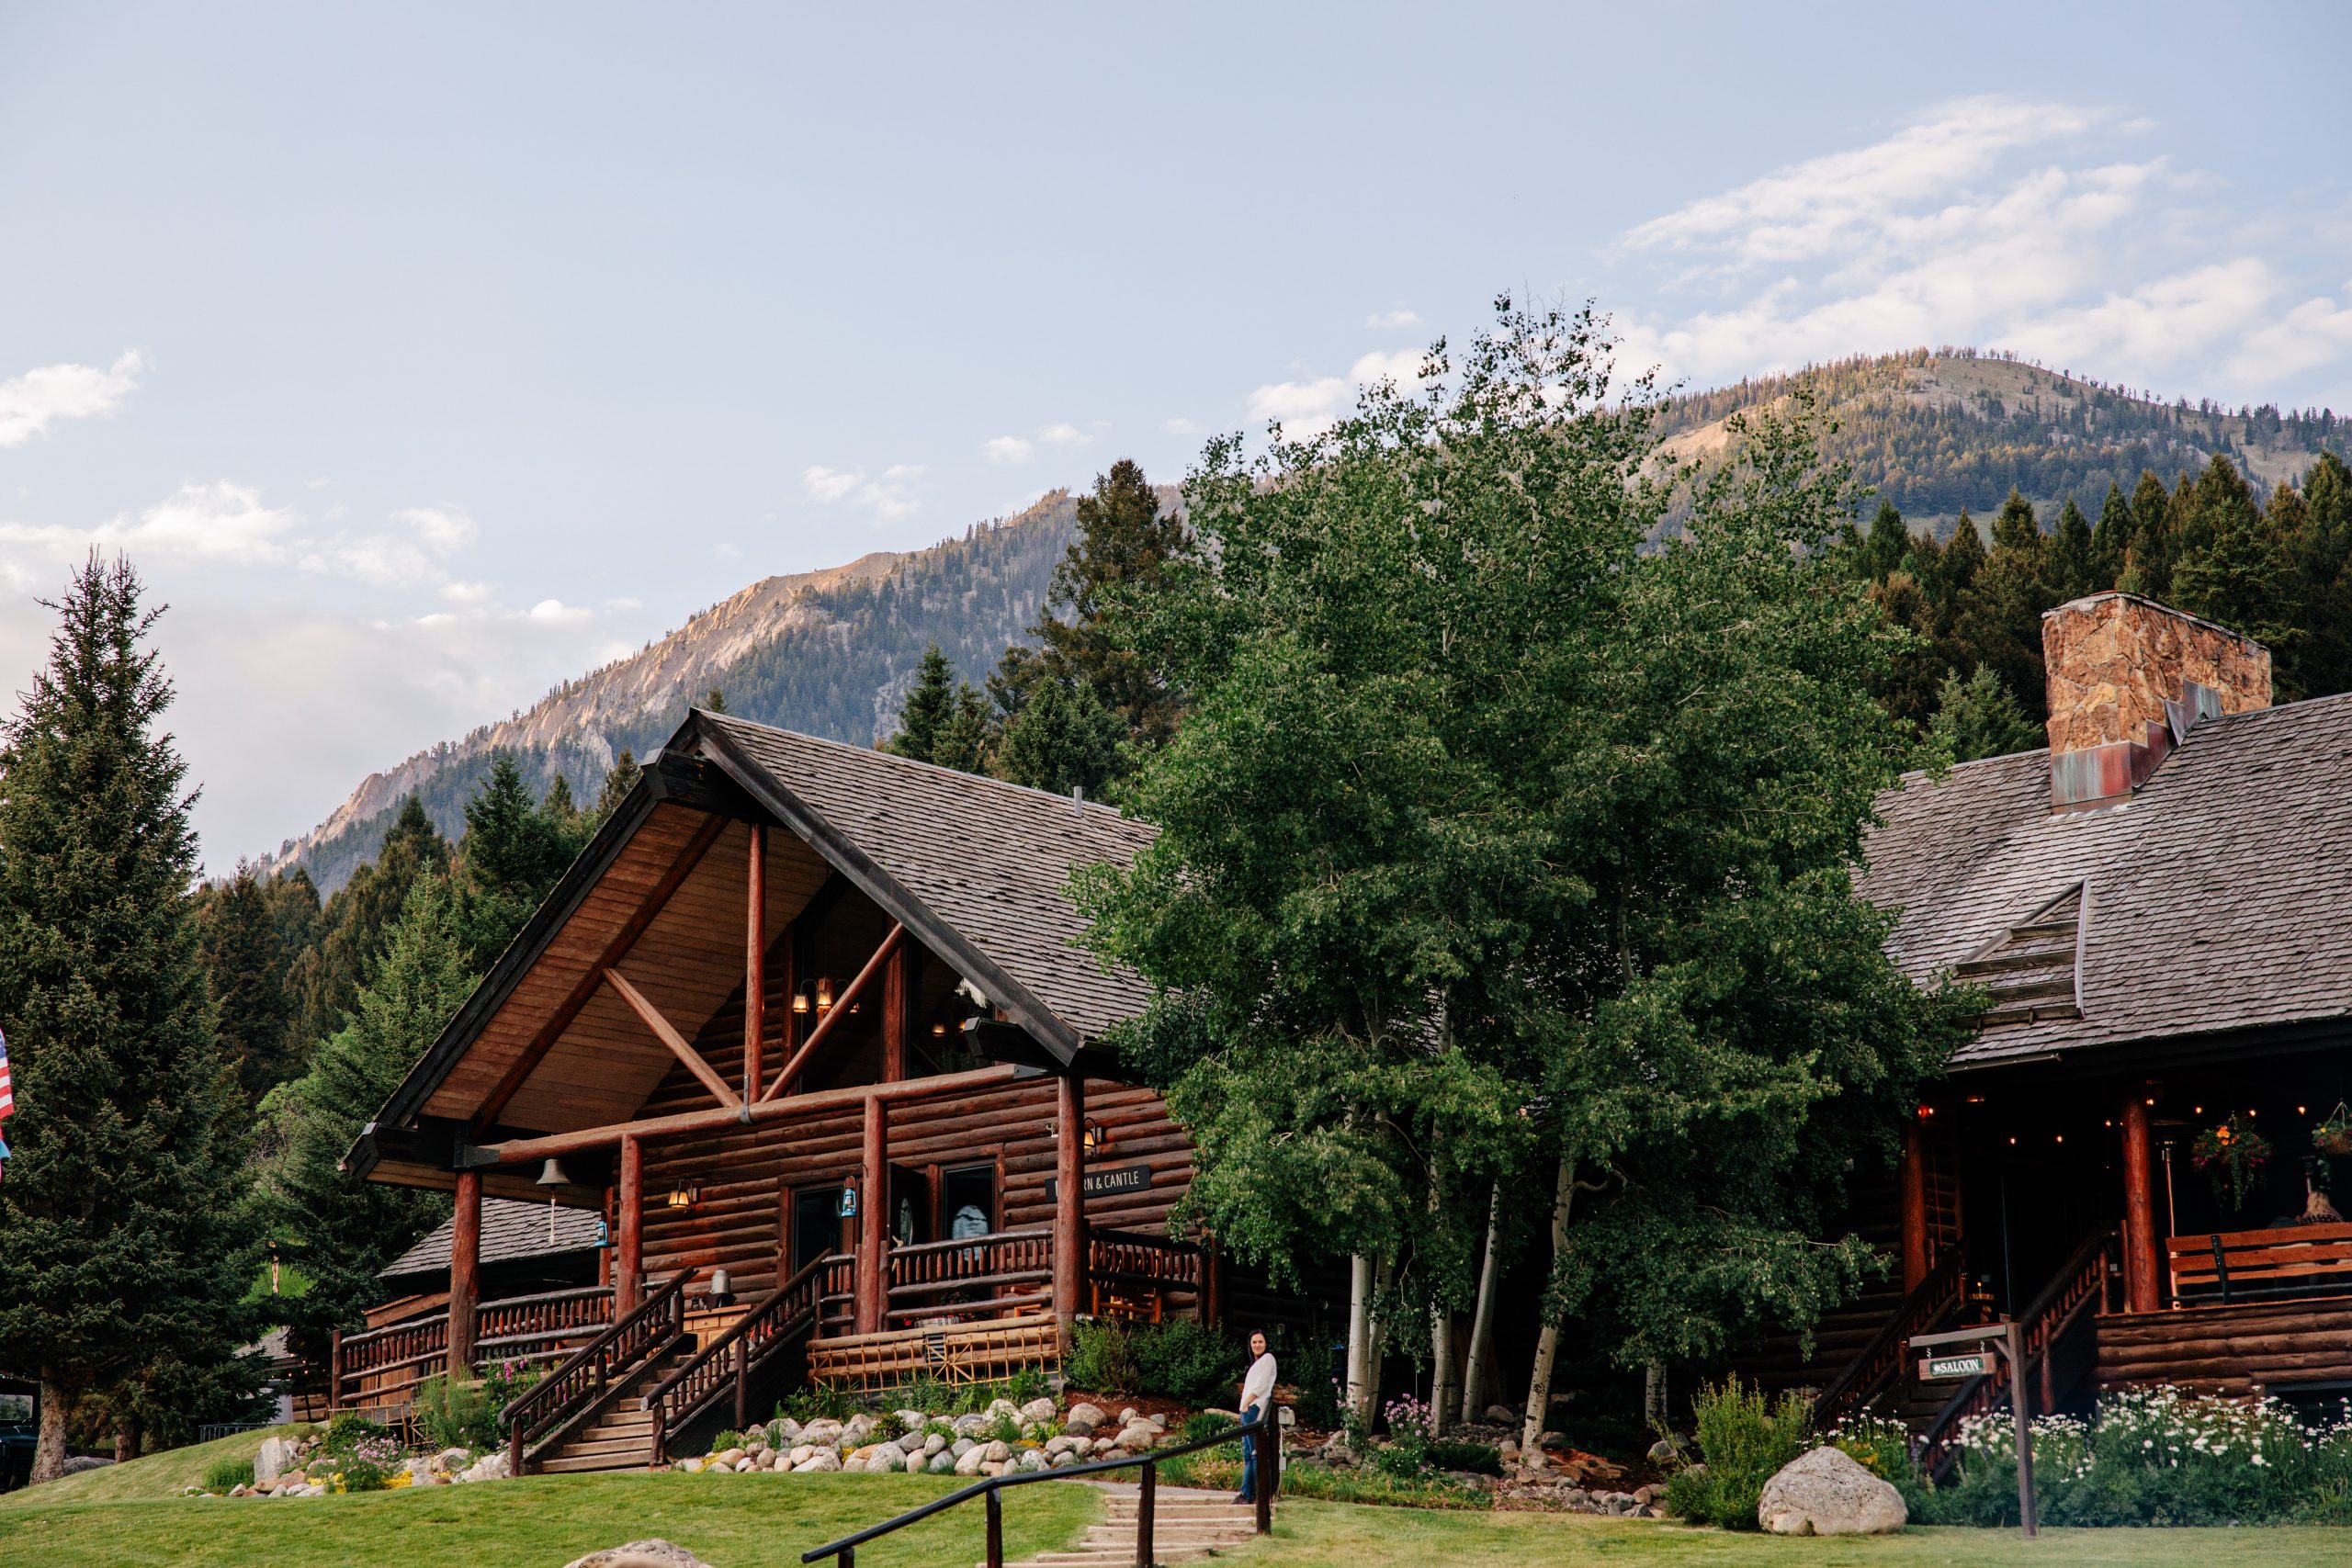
pixel 359 917
pixel 2000 618
pixel 345 1228
pixel 1956 567
pixel 1908 688
pixel 2073 565
pixel 619 779
pixel 714 700
pixel 1980 717
pixel 1888 544
pixel 2322 548
pixel 968 738
pixel 239 932
pixel 929 707
pixel 1062 740
pixel 122 1241
pixel 2240 575
pixel 2147 567
pixel 511 858
pixel 2111 541
pixel 1122 550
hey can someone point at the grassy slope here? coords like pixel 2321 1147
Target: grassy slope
pixel 1336 1535
pixel 542 1522
pixel 165 1474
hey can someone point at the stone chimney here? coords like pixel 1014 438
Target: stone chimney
pixel 2129 679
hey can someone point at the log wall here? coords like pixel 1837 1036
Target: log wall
pixel 2229 1349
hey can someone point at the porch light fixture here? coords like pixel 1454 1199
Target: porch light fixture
pixel 1095 1136
pixel 800 1001
pixel 683 1197
pixel 939 1029
pixel 824 994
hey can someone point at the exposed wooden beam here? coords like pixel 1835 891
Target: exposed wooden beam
pixel 655 901
pixel 679 1045
pixel 871 1278
pixel 629 1243
pixel 755 963
pixel 840 1008
pixel 522 1151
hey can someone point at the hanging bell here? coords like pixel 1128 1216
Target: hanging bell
pixel 551 1174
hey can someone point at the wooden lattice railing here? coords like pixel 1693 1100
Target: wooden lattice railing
pixel 651 1330
pixel 981 1276
pixel 2072 1296
pixel 1880 1363
pixel 725 1366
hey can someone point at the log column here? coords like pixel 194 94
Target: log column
pixel 2143 1275
pixel 1070 1200
pixel 755 967
pixel 873 1219
pixel 629 1241
pixel 1915 1207
pixel 465 1273
pixel 894 1016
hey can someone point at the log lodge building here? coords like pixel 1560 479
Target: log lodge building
pixel 808 1030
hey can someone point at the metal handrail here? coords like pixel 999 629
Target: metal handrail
pixel 544 1390
pixel 1267 1426
pixel 1884 1353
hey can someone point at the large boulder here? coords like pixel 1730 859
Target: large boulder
pixel 1083 1418
pixel 1036 1412
pixel 1826 1492
pixel 653 1554
pixel 277 1456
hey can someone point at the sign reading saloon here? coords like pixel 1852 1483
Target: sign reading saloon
pixel 1118 1179
pixel 1937 1369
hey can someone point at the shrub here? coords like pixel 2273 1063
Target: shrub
pixel 1405 1454
pixel 360 1475
pixel 456 1413
pixel 818 1404
pixel 226 1475
pixel 504 1383
pixel 1025 1384
pixel 1207 1423
pixel 347 1428
pixel 1305 1478
pixel 1184 1359
pixel 1103 1358
pixel 1745 1438
pixel 1478 1459
pixel 1005 1429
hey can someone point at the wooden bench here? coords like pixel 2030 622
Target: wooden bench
pixel 2289 1260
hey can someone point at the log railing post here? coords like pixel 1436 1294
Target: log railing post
pixel 465 1273
pixel 995 1508
pixel 1146 1499
pixel 629 1271
pixel 334 1370
pixel 1270 1465
pixel 2142 1280
pixel 1069 1200
pixel 755 967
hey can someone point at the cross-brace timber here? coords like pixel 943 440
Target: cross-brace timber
pixel 841 1006
pixel 522 1151
pixel 668 1035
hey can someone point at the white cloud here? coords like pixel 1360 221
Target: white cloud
pixel 1008 451
pixel 1183 427
pixel 31 403
pixel 221 522
pixel 444 530
pixel 1397 317
pixel 1308 408
pixel 556 613
pixel 465 593
pixel 1990 222
pixel 1062 435
pixel 890 496
pixel 412 558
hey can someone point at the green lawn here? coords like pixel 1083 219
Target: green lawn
pixel 125 1518
pixel 165 1474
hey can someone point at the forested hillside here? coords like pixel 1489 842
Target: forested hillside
pixel 1937 432
pixel 829 653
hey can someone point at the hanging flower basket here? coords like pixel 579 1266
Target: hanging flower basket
pixel 2230 1155
pixel 2334 1136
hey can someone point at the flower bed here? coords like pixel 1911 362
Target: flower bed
pixel 1000 1438
pixel 350 1454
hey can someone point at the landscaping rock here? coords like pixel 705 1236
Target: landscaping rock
pixel 1037 1411
pixel 970 1461
pixel 934 1443
pixel 1825 1492
pixel 277 1456
pixel 650 1553
pixel 819 1463
pixel 788 1432
pixel 962 1446
pixel 967 1425
pixel 1502 1415
pixel 942 1463
pixel 1138 1437
pixel 996 1453
pixel 1083 1418
pixel 726 1458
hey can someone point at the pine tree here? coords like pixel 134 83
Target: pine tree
pixel 344 1228
pixel 1980 717
pixel 246 969
pixel 927 709
pixel 2241 575
pixel 358 919
pixel 2147 567
pixel 1123 548
pixel 1063 739
pixel 968 738
pixel 2111 540
pixel 122 1242
pixel 512 856
pixel 2000 618
pixel 2323 555
pixel 619 779
pixel 2073 568
pixel 1888 544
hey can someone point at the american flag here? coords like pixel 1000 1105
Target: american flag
pixel 7 1095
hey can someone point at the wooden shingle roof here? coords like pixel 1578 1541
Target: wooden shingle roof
pixel 510 1230
pixel 2217 901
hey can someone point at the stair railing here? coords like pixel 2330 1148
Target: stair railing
pixel 2073 1292
pixel 655 1324
pixel 1880 1362
pixel 1266 1428
pixel 728 1361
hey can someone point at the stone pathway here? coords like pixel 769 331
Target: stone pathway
pixel 1186 1525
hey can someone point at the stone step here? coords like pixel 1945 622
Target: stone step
pixel 574 1463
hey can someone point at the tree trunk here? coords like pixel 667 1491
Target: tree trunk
pixel 48 1448
pixel 1482 1315
pixel 1547 1344
pixel 1441 1370
pixel 1654 1396
pixel 1360 1358
pixel 125 1439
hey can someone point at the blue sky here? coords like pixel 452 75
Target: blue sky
pixel 421 355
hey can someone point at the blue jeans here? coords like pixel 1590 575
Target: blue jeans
pixel 1250 1459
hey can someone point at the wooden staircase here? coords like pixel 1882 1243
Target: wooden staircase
pixel 619 1436
pixel 1186 1525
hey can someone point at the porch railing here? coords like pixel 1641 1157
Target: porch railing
pixel 1135 1260
pixel 1880 1363
pixel 726 1364
pixel 380 1367
pixel 649 1331
pixel 2264 1265
pixel 980 1276
pixel 2072 1297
